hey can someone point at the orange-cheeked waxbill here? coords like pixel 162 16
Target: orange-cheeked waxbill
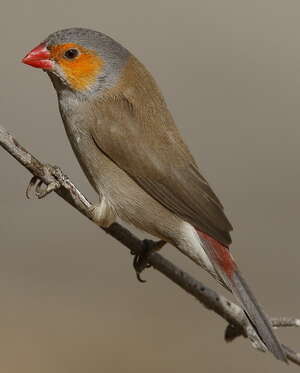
pixel 132 153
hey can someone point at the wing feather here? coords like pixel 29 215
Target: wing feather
pixel 154 155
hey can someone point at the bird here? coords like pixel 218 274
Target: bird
pixel 131 151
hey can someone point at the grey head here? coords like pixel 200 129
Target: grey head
pixel 113 54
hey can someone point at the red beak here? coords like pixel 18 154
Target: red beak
pixel 39 57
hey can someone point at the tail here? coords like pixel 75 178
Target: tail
pixel 227 269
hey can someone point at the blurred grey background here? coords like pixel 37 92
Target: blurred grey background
pixel 70 302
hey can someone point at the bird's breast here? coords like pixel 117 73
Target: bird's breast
pixel 77 122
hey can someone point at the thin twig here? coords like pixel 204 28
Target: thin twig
pixel 229 311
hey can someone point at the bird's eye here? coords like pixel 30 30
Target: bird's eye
pixel 70 54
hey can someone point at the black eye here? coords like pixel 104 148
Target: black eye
pixel 70 54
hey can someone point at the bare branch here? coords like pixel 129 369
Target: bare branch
pixel 229 311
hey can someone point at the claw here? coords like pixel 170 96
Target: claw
pixel 137 264
pixel 140 261
pixel 138 276
pixel 40 190
pixel 41 193
pixel 31 185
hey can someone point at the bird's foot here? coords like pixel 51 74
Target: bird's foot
pixel 140 261
pixel 38 189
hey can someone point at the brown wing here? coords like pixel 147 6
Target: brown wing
pixel 154 155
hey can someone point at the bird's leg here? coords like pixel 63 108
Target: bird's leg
pixel 103 214
pixel 36 187
pixel 140 261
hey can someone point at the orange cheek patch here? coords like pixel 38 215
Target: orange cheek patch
pixel 81 72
